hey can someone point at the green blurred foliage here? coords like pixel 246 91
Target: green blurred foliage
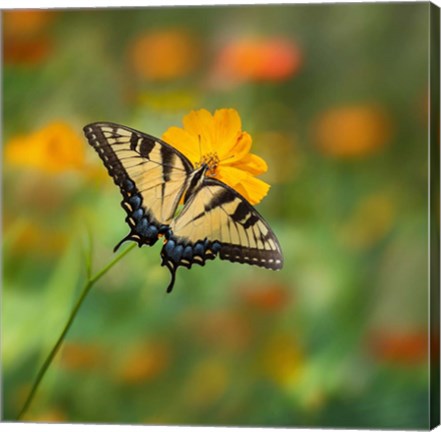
pixel 338 338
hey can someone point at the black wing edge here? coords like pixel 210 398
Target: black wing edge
pixel 178 252
pixel 144 228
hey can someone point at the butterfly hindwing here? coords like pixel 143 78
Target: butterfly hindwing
pixel 151 175
pixel 216 220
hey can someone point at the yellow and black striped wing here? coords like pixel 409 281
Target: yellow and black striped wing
pixel 151 175
pixel 217 220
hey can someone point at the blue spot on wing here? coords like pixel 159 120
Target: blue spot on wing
pixel 138 214
pixel 135 201
pixel 199 249
pixel 129 185
pixel 176 253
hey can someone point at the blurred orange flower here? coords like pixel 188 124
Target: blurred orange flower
pixel 352 131
pixel 404 348
pixel 164 54
pixel 259 59
pixel 218 141
pixel 269 297
pixel 144 362
pixel 25 38
pixel 52 149
pixel 81 356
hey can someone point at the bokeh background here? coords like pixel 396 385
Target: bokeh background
pixel 335 98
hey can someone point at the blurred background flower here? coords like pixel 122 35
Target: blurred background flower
pixel 352 131
pixel 257 58
pixel 164 54
pixel 335 339
pixel 400 348
pixel 26 36
pixel 55 148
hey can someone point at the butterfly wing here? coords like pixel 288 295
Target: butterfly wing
pixel 217 220
pixel 151 175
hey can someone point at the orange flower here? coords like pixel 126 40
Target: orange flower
pixel 144 362
pixel 259 59
pixel 218 140
pixel 26 23
pixel 352 131
pixel 269 297
pixel 164 54
pixel 25 36
pixel 80 356
pixel 53 149
pixel 405 348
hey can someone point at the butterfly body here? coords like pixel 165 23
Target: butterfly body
pixel 154 179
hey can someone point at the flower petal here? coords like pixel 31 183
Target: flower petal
pixel 252 163
pixel 253 189
pixel 228 129
pixel 200 124
pixel 250 187
pixel 240 149
pixel 184 142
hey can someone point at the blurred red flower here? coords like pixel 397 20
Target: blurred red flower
pixel 352 131
pixel 258 59
pixel 25 36
pixel 164 54
pixel 403 348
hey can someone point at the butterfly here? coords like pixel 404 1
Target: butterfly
pixel 165 196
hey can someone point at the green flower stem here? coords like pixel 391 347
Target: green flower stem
pixel 87 286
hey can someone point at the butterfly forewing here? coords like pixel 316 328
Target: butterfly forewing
pixel 151 175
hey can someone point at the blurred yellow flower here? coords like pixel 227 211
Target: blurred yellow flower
pixel 352 131
pixel 283 360
pixel 52 149
pixel 218 140
pixel 164 54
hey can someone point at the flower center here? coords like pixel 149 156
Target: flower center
pixel 211 160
